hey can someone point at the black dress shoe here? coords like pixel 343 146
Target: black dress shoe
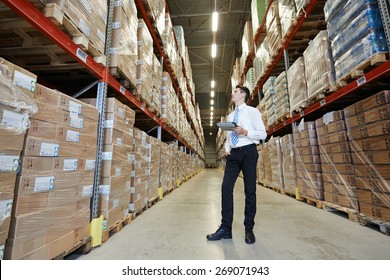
pixel 219 234
pixel 249 237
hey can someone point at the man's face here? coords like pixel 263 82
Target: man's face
pixel 237 95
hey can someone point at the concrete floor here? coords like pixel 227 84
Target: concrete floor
pixel 286 229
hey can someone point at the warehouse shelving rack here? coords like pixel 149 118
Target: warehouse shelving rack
pixel 323 105
pixel 45 26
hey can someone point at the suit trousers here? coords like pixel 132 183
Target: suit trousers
pixel 240 159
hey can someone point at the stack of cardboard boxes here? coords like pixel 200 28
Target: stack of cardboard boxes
pixel 54 186
pixel 16 105
pixel 289 167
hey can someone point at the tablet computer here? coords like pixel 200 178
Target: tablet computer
pixel 227 125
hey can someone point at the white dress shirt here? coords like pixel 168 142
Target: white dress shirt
pixel 250 119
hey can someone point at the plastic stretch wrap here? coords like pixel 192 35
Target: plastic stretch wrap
pixel 301 4
pixel 335 153
pixel 154 167
pixel 260 165
pixel 247 39
pixel 123 49
pixel 367 21
pixel 332 7
pixel 250 79
pixel 282 103
pixel 319 66
pixel 297 86
pixel 368 128
pixel 288 163
pixel 262 59
pixel 287 14
pixel 269 100
pixel 351 10
pixel 276 158
pixel 165 167
pixel 374 43
pixel 308 162
pixel 267 165
pixel 258 9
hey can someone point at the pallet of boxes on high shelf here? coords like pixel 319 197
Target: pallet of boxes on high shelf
pixel 337 167
pixel 297 86
pixel 368 127
pixel 356 44
pixel 319 67
pixel 308 164
pixel 269 101
pixel 274 32
pixel 288 17
pixel 84 21
pixel 16 106
pixel 124 43
pixel 282 102
pixel 54 185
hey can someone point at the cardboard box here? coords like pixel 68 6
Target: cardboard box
pixel 74 135
pixel 342 200
pixel 16 248
pixel 42 253
pixel 29 184
pixel 379 113
pixel 373 157
pixel 374 198
pixel 370 130
pixel 336 158
pixel 313 176
pixel 372 143
pixel 308 167
pixel 9 161
pixel 376 100
pixel 341 179
pixel 306 142
pixel 20 77
pixel 114 136
pixel 42 129
pixel 338 168
pixel 309 150
pixel 7 182
pixel 340 147
pixel 310 184
pixel 376 212
pixel 309 159
pixel 81 233
pixel 61 245
pixel 331 127
pixel 310 192
pixel 373 184
pixel 340 136
pixel 340 189
pixel 14 119
pixel 46 200
pixel 372 171
pixel 10 139
pixel 330 118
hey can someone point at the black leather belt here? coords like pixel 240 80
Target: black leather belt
pixel 243 147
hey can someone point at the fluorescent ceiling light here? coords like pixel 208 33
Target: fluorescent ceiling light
pixel 211 108
pixel 212 93
pixel 215 22
pixel 211 102
pixel 212 84
pixel 214 50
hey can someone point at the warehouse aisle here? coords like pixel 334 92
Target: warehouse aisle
pixel 176 228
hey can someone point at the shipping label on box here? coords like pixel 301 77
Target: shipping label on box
pixel 25 81
pixel 9 163
pixel 376 100
pixel 12 119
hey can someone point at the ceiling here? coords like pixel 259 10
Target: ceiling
pixel 195 18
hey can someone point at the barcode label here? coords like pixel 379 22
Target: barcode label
pixel 82 55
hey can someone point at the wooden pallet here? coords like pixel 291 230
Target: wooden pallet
pixel 351 213
pixel 281 191
pixel 116 227
pixel 312 201
pixel 168 191
pixel 290 194
pixel 81 247
pixel 283 118
pixel 365 66
pixel 153 201
pixel 127 82
pixel 139 211
pixel 382 226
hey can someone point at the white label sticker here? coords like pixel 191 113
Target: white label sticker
pixel 122 90
pixel 119 141
pixel 75 108
pixel 133 173
pixel 1 252
pixel 117 3
pixel 14 120
pixel 115 203
pixel 361 81
pixel 101 35
pixel 5 208
pixel 76 122
pixel 128 184
pixel 49 150
pixel 9 163
pixel 323 102
pixel 84 28
pixel 70 164
pixel 301 125
pixel 44 184
pixel 82 55
pixel 114 50
pixel 87 191
pixel 121 112
pixel 72 136
pixel 109 124
pixel 90 164
pixel 24 81
pixel 116 25
pixel 107 156
pixel 131 207
pixel 87 5
pixel 118 171
pixel 132 190
pixel 104 189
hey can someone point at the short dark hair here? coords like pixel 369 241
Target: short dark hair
pixel 245 90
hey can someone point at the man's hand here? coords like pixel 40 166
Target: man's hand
pixel 240 130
